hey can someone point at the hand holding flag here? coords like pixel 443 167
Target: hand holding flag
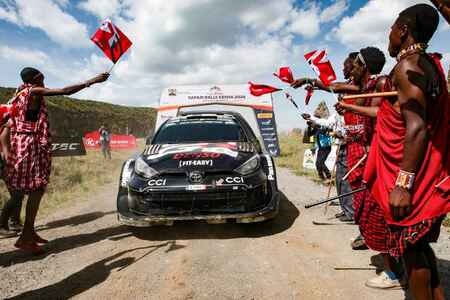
pixel 285 75
pixel 111 40
pixel 319 62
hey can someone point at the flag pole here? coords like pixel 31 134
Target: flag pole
pixel 110 69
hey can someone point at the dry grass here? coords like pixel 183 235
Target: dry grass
pixel 292 149
pixel 73 178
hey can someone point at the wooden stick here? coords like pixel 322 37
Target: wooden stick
pixel 334 198
pixel 354 167
pixel 354 268
pixel 371 95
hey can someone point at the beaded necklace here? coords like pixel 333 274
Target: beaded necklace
pixel 414 48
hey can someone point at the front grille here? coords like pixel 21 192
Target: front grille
pixel 201 202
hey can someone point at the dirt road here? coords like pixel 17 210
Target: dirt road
pixel 91 256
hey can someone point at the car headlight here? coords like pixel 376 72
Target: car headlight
pixel 126 173
pixel 141 168
pixel 249 166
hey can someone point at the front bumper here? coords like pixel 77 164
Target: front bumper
pixel 269 211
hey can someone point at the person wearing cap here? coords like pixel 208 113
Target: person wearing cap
pixel 28 155
pixel 408 166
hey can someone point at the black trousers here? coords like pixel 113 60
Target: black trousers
pixel 11 209
pixel 322 154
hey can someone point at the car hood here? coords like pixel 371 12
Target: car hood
pixel 174 158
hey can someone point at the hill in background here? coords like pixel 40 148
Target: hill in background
pixel 74 117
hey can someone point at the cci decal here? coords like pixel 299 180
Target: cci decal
pixel 157 182
pixel 195 163
pixel 230 180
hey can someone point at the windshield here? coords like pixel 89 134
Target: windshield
pixel 197 131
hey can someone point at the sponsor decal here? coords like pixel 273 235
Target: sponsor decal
pixel 264 115
pixel 68 146
pixel 198 155
pixel 224 148
pixel 196 187
pixel 230 180
pixel 196 163
pixel 172 92
pixel 271 175
pixel 157 182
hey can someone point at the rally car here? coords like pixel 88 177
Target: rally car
pixel 199 166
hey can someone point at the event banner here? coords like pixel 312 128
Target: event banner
pixel 118 142
pixel 268 129
pixel 257 111
pixel 67 146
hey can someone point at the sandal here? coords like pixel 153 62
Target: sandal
pixel 38 239
pixel 30 247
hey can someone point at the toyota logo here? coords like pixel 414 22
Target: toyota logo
pixel 195 177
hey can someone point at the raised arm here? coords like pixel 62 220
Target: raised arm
pixel 69 90
pixel 337 87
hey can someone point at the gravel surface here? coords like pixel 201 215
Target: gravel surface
pixel 91 256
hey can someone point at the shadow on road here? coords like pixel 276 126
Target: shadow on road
pixel 75 220
pixel 182 230
pixel 199 230
pixel 89 276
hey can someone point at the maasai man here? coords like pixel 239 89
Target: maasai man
pixel 335 124
pixel 29 154
pixel 368 213
pixel 409 162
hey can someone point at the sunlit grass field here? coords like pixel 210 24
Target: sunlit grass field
pixel 76 178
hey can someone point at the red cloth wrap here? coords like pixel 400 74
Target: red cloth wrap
pixel 386 155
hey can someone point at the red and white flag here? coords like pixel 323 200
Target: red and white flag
pixel 319 62
pixel 5 112
pixel 261 89
pixel 111 40
pixel 285 75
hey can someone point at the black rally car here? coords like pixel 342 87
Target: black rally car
pixel 199 166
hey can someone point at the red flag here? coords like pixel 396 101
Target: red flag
pixel 5 112
pixel 261 89
pixel 309 92
pixel 111 40
pixel 319 62
pixel 285 75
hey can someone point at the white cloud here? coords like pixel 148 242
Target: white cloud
pixel 101 8
pixel 306 22
pixel 334 12
pixel 48 16
pixel 370 25
pixel 24 56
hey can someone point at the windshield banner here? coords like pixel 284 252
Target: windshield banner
pixel 235 98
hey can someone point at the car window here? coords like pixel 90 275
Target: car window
pixel 197 131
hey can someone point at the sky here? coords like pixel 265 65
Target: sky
pixel 180 42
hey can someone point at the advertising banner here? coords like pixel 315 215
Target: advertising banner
pixel 234 98
pixel 118 142
pixel 67 146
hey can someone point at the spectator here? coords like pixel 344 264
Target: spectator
pixel 105 140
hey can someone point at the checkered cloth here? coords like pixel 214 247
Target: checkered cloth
pixel 402 237
pixel 372 224
pixel 28 167
pixel 355 151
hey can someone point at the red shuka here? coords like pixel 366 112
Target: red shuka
pixel 430 196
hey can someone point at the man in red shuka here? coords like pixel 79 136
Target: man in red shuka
pixel 408 167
